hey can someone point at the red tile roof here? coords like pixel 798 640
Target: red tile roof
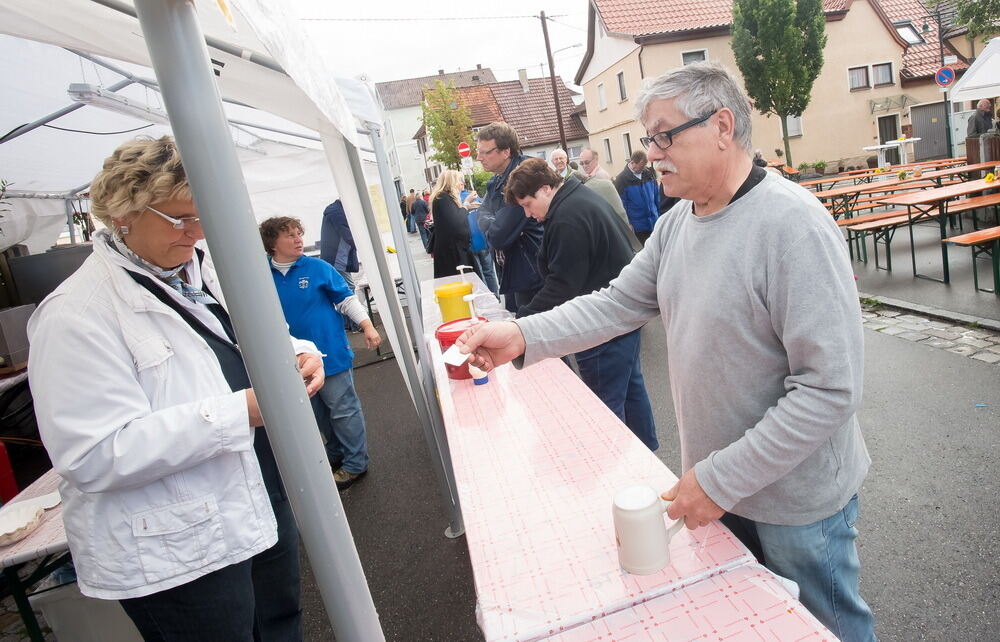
pixel 919 61
pixel 645 17
pixel 532 114
pixel 409 92
pixel 482 104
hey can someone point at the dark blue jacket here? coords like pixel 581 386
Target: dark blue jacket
pixel 511 233
pixel 641 198
pixel 336 243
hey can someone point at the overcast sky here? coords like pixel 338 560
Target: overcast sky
pixel 393 39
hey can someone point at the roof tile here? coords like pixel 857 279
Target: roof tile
pixel 532 113
pixel 645 17
pixel 409 92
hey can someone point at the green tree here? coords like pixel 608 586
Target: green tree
pixel 479 179
pixel 448 123
pixel 980 17
pixel 778 46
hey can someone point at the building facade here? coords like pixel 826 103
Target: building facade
pixel 402 100
pixel 528 106
pixel 876 83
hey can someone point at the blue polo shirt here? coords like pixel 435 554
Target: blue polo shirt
pixel 308 293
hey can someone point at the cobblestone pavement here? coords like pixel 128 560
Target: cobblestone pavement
pixel 967 340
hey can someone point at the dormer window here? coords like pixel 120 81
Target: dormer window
pixel 908 33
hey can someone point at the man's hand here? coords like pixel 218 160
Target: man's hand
pixel 492 344
pixel 372 338
pixel 689 501
pixel 311 369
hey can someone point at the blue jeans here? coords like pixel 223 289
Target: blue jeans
pixel 341 422
pixel 411 225
pixel 822 559
pixel 425 236
pixel 484 264
pixel 613 371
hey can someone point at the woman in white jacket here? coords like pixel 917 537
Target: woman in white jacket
pixel 171 499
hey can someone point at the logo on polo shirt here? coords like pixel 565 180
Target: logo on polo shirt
pixel 304 283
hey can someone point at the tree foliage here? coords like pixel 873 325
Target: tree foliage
pixel 448 123
pixel 778 46
pixel 980 17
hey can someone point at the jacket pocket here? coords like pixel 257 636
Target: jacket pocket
pixel 179 538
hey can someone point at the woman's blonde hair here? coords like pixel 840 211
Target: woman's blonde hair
pixel 449 182
pixel 139 173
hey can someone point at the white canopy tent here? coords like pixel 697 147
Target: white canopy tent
pixel 297 85
pixel 982 79
pixel 286 173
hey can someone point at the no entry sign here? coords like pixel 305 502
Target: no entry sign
pixel 945 76
pixel 463 150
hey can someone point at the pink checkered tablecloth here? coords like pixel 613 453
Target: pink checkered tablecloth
pixel 746 603
pixel 537 460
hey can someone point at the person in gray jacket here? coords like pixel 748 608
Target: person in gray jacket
pixel 764 344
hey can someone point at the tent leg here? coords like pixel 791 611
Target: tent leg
pixel 180 59
pixel 428 412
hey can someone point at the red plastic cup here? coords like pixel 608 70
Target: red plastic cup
pixel 447 334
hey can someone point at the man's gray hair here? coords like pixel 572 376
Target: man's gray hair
pixel 700 88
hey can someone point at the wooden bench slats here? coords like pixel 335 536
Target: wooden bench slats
pixel 858 220
pixel 975 238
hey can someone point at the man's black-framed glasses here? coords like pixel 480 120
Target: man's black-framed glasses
pixel 665 139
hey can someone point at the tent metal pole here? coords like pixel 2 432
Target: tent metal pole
pixel 115 68
pixel 214 43
pixel 440 457
pixel 434 432
pixel 180 60
pixel 69 221
pixel 24 129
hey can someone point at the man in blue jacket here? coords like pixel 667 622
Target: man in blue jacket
pixel 514 237
pixel 640 192
pixel 313 297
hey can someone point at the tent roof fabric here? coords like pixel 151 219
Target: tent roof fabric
pixel 982 79
pixel 409 92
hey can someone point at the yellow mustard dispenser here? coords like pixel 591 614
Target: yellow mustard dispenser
pixel 449 298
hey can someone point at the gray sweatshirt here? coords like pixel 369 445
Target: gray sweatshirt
pixel 764 347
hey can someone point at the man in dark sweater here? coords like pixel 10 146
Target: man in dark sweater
pixel 584 247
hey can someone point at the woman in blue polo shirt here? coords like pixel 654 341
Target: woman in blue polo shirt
pixel 313 297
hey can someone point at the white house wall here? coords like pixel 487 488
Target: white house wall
pixel 608 50
pixel 405 123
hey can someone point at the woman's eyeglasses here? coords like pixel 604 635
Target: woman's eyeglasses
pixel 177 223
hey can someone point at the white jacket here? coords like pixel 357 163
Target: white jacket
pixel 160 484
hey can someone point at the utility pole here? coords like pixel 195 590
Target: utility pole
pixel 552 77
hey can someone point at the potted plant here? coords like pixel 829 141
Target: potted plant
pixel 820 167
pixel 872 162
pixel 804 167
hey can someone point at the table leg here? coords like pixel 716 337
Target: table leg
pixel 23 606
pixel 996 266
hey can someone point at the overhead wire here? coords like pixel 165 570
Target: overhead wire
pixel 82 131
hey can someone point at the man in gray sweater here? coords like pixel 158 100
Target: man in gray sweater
pixel 764 344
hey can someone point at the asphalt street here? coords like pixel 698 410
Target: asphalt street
pixel 930 528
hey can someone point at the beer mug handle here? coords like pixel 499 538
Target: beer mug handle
pixel 676 526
